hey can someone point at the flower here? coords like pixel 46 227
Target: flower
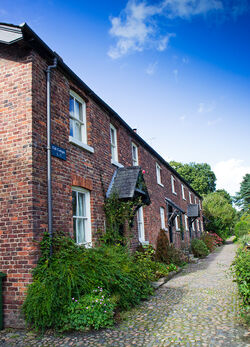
pixel 143 171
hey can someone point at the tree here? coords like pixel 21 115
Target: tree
pixel 226 195
pixel 219 213
pixel 198 175
pixel 242 198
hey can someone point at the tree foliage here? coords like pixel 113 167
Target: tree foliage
pixel 226 195
pixel 198 175
pixel 219 213
pixel 242 198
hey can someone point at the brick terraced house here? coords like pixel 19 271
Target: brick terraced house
pixel 93 151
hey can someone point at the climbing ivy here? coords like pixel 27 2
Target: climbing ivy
pixel 119 213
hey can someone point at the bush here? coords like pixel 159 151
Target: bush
pixel 243 226
pixel 166 253
pixel 75 271
pixel 209 241
pixel 242 275
pixel 199 248
pixel 95 310
pixel 145 256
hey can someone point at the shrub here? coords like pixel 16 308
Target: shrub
pixel 74 271
pixel 166 253
pixel 218 240
pixel 94 310
pixel 209 241
pixel 199 248
pixel 243 226
pixel 145 257
pixel 240 268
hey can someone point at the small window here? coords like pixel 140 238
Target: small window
pixel 186 222
pixel 173 185
pixel 77 113
pixel 140 223
pixel 190 197
pixel 158 174
pixel 183 192
pixel 195 200
pixel 198 224
pixel 177 222
pixel 162 214
pixel 200 204
pixel 135 161
pixel 113 142
pixel 81 215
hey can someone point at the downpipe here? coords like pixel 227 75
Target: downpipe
pixel 49 184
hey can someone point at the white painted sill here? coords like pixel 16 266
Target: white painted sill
pixel 174 193
pixel 160 184
pixel 116 163
pixel 81 144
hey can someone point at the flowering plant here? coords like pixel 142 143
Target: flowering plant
pixel 94 310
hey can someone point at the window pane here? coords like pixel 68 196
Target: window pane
pixel 71 129
pixel 112 136
pixel 71 106
pixel 74 227
pixel 113 152
pixel 80 231
pixel 77 109
pixel 81 205
pixel 74 202
pixel 78 134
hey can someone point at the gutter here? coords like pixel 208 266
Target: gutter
pixel 49 198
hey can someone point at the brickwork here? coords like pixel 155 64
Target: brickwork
pixel 23 168
pixel 16 183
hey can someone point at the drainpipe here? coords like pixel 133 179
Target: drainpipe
pixel 50 226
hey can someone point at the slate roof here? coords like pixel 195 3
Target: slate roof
pixel 124 183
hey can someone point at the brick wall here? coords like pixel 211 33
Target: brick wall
pixel 17 252
pixel 23 190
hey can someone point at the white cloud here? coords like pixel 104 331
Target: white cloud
pixel 213 122
pixel 176 74
pixel 150 70
pixel 182 118
pixel 206 108
pixel 185 60
pixel 138 26
pixel 229 174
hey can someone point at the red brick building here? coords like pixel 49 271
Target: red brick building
pixel 95 140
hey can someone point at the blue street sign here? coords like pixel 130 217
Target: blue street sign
pixel 58 152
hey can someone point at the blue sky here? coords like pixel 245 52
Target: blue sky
pixel 177 70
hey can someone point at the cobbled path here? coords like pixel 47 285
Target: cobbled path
pixel 198 307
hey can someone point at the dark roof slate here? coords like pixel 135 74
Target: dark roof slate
pixel 124 182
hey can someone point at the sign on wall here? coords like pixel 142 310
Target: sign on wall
pixel 58 152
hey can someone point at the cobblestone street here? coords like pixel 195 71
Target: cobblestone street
pixel 198 307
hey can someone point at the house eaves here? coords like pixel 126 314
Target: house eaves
pixel 34 41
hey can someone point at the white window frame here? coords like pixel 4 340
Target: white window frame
pixel 173 185
pixel 158 174
pixel 186 222
pixel 86 218
pixel 135 160
pixel 163 220
pixel 140 225
pixel 195 200
pixel 183 192
pixel 114 153
pixel 198 224
pixel 190 197
pixel 83 124
pixel 177 226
